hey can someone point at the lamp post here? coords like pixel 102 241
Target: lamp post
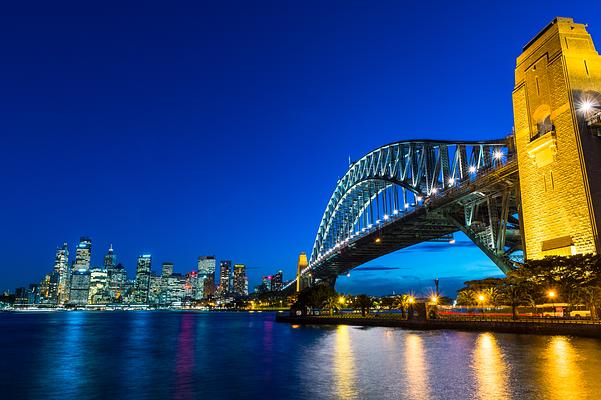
pixel 481 299
pixel 552 296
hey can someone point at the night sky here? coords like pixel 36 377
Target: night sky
pixel 189 128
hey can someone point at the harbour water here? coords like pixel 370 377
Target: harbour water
pixel 188 355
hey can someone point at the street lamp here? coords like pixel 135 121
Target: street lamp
pixel 551 293
pixel 481 299
pixel 434 299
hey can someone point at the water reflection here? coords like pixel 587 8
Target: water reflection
pixel 563 376
pixel 184 361
pixel 344 365
pixel 490 369
pixel 416 368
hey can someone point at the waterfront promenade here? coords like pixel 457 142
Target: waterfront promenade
pixel 582 328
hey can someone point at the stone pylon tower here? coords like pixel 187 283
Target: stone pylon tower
pixel 557 104
pixel 301 281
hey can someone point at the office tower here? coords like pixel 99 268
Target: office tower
pixel 83 254
pixel 61 267
pixel 99 287
pixel 225 268
pixel 117 283
pixel 142 284
pixel 277 281
pixel 176 288
pixel 80 287
pixel 53 286
pixel 110 259
pixel 206 275
pixel 239 280
pixel 44 289
pixel 33 294
pixel 154 292
pixel 266 283
pixel 21 297
pixel 166 269
pixel 207 265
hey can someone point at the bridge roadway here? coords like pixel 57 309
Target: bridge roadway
pixel 439 217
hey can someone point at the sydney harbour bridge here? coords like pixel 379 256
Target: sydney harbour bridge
pixel 534 193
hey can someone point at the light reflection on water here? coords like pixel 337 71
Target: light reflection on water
pixel 416 366
pixel 344 365
pixel 145 355
pixel 563 377
pixel 490 369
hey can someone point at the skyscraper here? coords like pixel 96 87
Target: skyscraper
pixel 277 281
pixel 61 267
pixel 83 254
pixel 110 259
pixel 80 287
pixel 166 269
pixel 225 268
pixel 142 284
pixel 239 280
pixel 99 286
pixel 117 283
pixel 206 275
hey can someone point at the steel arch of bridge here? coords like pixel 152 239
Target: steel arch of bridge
pixel 409 192
pixel 393 179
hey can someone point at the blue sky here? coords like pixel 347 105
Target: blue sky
pixel 188 128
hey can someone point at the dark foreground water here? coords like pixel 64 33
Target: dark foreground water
pixel 147 355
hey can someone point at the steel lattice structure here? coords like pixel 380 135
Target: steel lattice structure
pixel 408 192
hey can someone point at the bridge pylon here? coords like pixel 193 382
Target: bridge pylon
pixel 557 115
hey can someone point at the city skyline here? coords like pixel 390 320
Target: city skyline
pixel 177 139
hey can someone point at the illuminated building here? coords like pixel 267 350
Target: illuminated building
pixel 110 259
pixel 52 288
pixel 557 88
pixel 80 287
pixel 83 254
pixel 277 281
pixel 266 283
pixel 166 269
pixel 33 294
pixel 21 297
pixel 225 268
pixel 142 283
pixel 154 291
pixel 99 287
pixel 117 281
pixel 240 288
pixel 206 272
pixel 61 267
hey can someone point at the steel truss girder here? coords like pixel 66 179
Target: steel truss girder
pixel 401 173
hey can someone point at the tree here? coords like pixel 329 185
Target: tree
pixel 314 296
pixel 466 297
pixel 591 297
pixel 364 302
pixel 332 303
pixel 401 303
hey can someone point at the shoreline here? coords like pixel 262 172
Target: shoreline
pixel 571 328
